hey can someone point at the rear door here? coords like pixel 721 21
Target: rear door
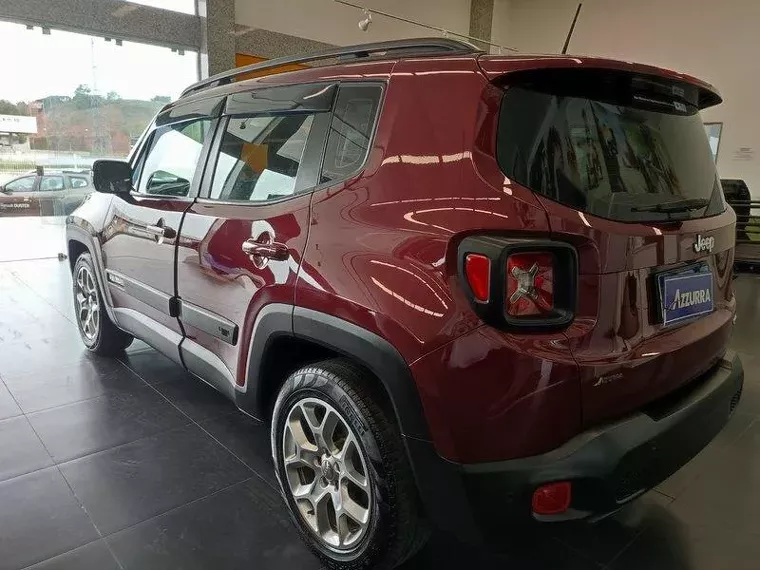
pixel 51 193
pixel 140 235
pixel 622 166
pixel 241 242
pixel 78 187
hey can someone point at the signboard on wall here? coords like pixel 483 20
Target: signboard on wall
pixel 18 124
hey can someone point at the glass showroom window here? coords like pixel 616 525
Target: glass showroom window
pixel 67 99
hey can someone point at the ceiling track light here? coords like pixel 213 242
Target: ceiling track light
pixel 364 24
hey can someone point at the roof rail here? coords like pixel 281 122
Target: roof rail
pixel 410 47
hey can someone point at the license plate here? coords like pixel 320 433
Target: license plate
pixel 686 294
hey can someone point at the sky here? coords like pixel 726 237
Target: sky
pixel 33 65
pixel 186 6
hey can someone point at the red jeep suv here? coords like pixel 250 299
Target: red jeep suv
pixel 468 291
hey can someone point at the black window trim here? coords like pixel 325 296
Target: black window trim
pixel 310 166
pixel 306 100
pixel 371 140
pixel 195 183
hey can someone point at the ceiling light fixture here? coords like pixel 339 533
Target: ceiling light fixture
pixel 364 24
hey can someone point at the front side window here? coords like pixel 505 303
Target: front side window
pixel 25 184
pixel 51 183
pixel 260 157
pixel 631 155
pixel 173 157
pixel 352 123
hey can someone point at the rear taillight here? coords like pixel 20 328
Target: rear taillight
pixel 530 284
pixel 520 285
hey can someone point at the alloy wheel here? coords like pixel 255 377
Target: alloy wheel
pixel 326 474
pixel 88 307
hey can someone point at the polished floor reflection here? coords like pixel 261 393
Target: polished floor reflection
pixel 133 464
pixel 33 237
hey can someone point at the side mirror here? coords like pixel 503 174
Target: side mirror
pixel 112 176
pixel 167 184
pixel 4 190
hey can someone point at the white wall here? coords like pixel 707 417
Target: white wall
pixel 333 23
pixel 715 41
pixel 501 32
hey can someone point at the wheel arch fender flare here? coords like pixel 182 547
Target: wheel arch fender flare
pixel 343 337
pixel 77 233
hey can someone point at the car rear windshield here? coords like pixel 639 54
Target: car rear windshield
pixel 630 148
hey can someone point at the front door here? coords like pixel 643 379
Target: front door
pixel 140 235
pixel 241 244
pixel 19 197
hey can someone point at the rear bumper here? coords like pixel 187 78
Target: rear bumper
pixel 608 466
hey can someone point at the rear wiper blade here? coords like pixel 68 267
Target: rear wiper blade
pixel 672 207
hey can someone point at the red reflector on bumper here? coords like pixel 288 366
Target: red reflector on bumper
pixel 552 499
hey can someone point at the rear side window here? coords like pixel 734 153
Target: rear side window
pixel 77 182
pixel 260 157
pixel 350 130
pixel 630 153
pixel 51 183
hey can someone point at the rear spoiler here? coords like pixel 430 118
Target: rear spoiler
pixel 505 70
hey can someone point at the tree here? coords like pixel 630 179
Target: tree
pixel 161 99
pixel 8 108
pixel 113 96
pixel 85 99
pixel 82 91
pixel 20 108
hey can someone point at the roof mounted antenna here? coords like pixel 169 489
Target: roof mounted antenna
pixel 572 29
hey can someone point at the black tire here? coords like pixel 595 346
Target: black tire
pixel 109 340
pixel 396 530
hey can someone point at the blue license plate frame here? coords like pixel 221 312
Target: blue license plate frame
pixel 683 294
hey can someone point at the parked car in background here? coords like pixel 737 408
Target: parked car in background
pixel 469 291
pixel 747 211
pixel 52 193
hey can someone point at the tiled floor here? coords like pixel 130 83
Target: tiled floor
pixel 132 464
